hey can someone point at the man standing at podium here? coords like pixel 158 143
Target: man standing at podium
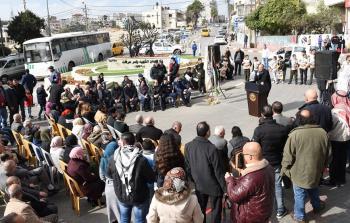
pixel 262 77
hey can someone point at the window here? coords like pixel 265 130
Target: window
pixel 37 52
pixel 19 62
pixel 11 63
pixel 158 44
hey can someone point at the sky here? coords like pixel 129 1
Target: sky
pixel 65 8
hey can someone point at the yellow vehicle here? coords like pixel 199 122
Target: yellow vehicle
pixel 205 32
pixel 117 48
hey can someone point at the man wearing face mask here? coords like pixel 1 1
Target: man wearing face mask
pixel 252 194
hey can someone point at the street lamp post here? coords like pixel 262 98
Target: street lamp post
pixel 48 18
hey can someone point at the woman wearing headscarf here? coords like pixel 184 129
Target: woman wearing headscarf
pixel 57 151
pixel 78 125
pixel 87 130
pixel 71 142
pixel 95 136
pixel 79 169
pixel 111 197
pixel 175 202
pixel 45 137
pixel 340 137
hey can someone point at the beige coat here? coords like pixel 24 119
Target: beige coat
pixel 25 210
pixel 178 208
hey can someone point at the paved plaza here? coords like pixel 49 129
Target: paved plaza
pixel 229 112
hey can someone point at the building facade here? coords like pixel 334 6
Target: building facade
pixel 164 18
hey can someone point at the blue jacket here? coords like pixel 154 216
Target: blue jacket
pixel 194 46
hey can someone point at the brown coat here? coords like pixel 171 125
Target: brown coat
pixel 252 194
pixel 25 210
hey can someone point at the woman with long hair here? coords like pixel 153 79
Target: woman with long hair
pixel 167 156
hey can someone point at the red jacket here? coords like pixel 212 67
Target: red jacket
pixel 252 194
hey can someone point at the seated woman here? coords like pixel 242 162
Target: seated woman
pixel 95 136
pixel 57 152
pixel 175 202
pixel 80 170
pixel 66 115
pixel 45 137
pixel 78 125
pixel 101 114
pixel 71 142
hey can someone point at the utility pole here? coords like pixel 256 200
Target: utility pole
pixel 229 15
pixel 2 40
pixel 48 18
pixel 24 5
pixel 86 17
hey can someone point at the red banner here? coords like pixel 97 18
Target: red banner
pixel 347 3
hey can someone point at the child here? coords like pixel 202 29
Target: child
pixel 273 69
pixel 41 96
pixel 280 70
pixel 28 103
pixel 246 67
pixel 293 69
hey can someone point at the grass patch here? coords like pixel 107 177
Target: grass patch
pixel 189 57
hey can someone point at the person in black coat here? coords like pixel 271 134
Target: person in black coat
pixel 204 168
pixel 20 95
pixel 173 70
pixel 117 94
pixel 119 123
pixel 175 132
pixel 149 131
pixel 272 138
pixel 28 81
pixel 162 70
pixel 12 101
pixel 238 58
pixel 322 114
pixel 41 98
pixel 55 94
pixel 154 72
pixel 262 77
pixel 131 96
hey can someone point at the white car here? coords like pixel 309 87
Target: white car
pixel 220 40
pixel 163 48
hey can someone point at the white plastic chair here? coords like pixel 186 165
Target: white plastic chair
pixel 51 166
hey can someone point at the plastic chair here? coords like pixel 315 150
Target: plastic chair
pixel 87 146
pixel 51 166
pixel 38 154
pixel 75 193
pixel 64 132
pixel 53 125
pixel 87 121
pixel 19 142
pixel 64 166
pixel 98 152
pixel 27 152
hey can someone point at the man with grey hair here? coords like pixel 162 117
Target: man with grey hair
pixel 149 131
pixel 138 125
pixel 218 139
pixel 16 205
pixel 17 124
pixel 175 132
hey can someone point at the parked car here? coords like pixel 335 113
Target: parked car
pixel 12 66
pixel 117 48
pixel 220 40
pixel 287 51
pixel 163 48
pixel 205 32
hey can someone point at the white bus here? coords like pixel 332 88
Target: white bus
pixel 65 51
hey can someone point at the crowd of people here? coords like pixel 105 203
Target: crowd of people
pixel 156 176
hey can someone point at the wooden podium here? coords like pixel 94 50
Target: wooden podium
pixel 256 97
